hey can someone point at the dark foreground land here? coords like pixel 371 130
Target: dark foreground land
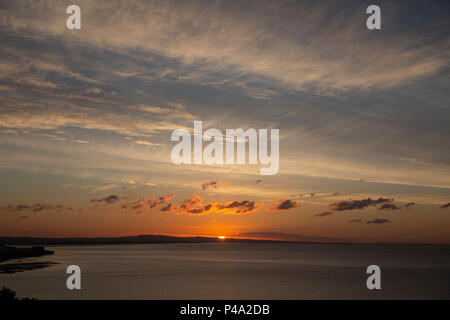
pixel 8 252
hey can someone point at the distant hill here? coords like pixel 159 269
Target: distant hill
pixel 121 240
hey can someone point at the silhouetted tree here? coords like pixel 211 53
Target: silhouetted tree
pixel 7 295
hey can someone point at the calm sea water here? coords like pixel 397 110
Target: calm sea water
pixel 239 271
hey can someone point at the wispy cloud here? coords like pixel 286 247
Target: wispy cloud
pixel 378 221
pixel 275 39
pixel 36 207
pixel 109 200
pixel 147 143
pixel 389 206
pixel 357 204
pixel 324 214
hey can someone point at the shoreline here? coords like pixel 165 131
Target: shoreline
pixel 11 253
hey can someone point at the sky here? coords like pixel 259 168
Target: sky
pixel 86 118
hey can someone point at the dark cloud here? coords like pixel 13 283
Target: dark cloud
pixel 19 207
pixel 244 206
pixel 389 206
pixel 149 203
pixel 285 205
pixel 22 217
pixel 194 205
pixel 166 198
pixel 447 205
pixel 213 184
pixel 35 208
pixel 357 204
pixel 378 221
pixel 409 204
pixel 323 214
pixel 258 181
pixel 167 208
pixel 41 207
pixel 138 205
pixel 109 200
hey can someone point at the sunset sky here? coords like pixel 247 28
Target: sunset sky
pixel 86 118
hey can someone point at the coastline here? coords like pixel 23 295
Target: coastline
pixel 10 253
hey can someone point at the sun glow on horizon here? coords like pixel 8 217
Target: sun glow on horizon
pixel 222 237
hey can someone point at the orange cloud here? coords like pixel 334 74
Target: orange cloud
pixel 195 205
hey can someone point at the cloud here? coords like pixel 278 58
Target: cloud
pixel 284 205
pixel 149 184
pixel 357 204
pixel 244 206
pixel 323 214
pixel 106 91
pixel 109 200
pixel 167 208
pixel 150 203
pixel 42 207
pixel 80 141
pixel 191 202
pixel 409 204
pixel 147 143
pixel 46 116
pixel 355 221
pixel 301 45
pixel 105 187
pixel 378 221
pixel 166 198
pixel 447 205
pixel 213 184
pixel 195 205
pixel 35 208
pixel 389 206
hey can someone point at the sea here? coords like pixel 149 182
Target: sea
pixel 223 270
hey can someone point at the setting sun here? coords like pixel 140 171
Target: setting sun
pixel 222 237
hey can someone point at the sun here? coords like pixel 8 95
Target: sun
pixel 221 237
